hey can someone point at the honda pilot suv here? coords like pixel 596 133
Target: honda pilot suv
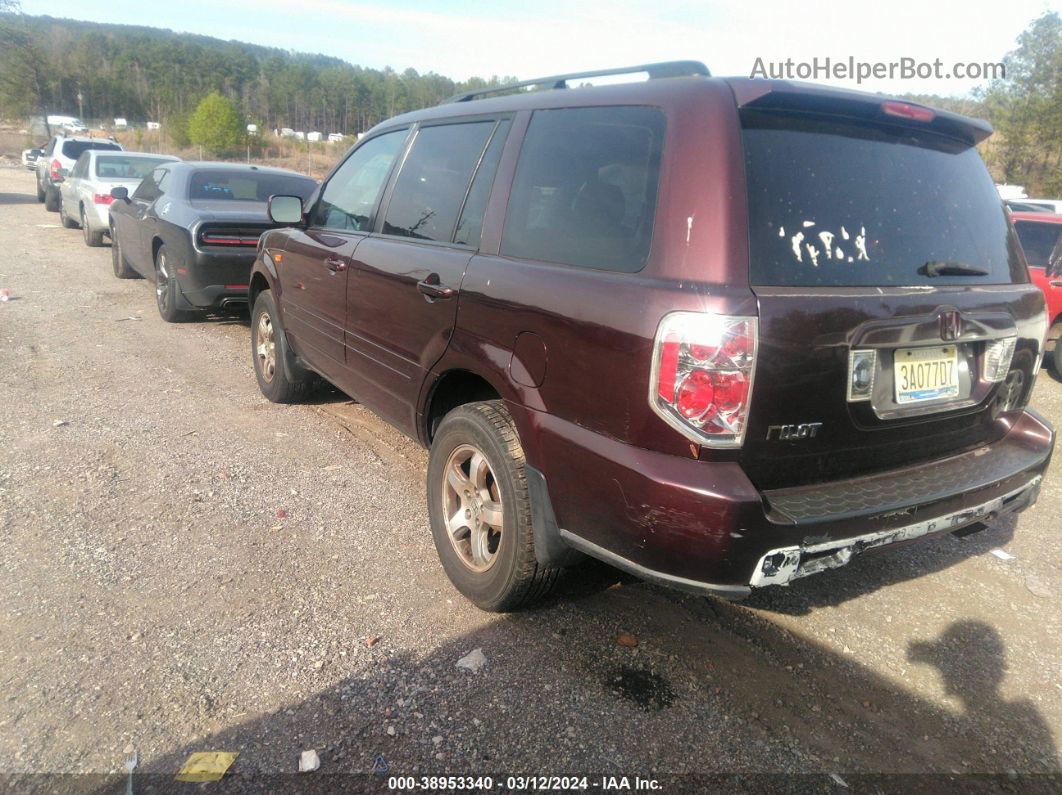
pixel 720 333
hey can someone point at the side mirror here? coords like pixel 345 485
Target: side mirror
pixel 285 210
pixel 120 193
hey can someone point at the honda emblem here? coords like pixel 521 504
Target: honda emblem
pixel 950 325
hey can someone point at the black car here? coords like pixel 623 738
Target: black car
pixel 192 228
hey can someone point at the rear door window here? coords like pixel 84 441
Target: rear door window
pixel 585 187
pixel 1039 240
pixel 434 180
pixel 470 227
pixel 833 203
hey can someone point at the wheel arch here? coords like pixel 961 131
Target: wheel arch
pixel 450 389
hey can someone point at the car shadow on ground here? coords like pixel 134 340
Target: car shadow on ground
pixel 17 198
pixel 712 698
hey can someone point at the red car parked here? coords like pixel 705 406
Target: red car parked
pixel 1041 237
pixel 722 333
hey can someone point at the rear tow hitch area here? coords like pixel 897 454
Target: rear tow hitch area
pixel 785 564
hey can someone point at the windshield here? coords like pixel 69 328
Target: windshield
pixel 835 203
pixel 126 167
pixel 73 149
pixel 247 186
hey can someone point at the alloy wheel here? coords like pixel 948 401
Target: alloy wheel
pixel 162 284
pixel 266 347
pixel 472 508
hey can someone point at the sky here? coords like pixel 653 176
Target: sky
pixel 462 38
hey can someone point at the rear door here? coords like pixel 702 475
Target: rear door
pixel 315 262
pixel 403 291
pixel 892 297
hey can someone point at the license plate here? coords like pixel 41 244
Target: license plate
pixel 923 374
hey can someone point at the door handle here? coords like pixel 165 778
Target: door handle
pixel 432 290
pixel 336 265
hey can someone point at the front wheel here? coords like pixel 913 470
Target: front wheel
pixel 166 289
pixel 480 511
pixel 269 348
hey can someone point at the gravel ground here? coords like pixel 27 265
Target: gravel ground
pixel 189 568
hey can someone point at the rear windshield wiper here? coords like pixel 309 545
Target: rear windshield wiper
pixel 945 268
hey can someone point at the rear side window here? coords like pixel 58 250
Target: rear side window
pixel 73 149
pixel 1039 240
pixel 431 187
pixel 585 187
pixel 838 204
pixel 349 197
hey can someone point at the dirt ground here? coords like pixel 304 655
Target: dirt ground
pixel 151 599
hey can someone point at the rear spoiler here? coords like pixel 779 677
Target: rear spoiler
pixel 811 98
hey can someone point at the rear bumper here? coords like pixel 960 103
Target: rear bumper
pixel 702 526
pixel 210 281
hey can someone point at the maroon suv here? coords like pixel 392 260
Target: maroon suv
pixel 721 333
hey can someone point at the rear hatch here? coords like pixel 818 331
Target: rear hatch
pixel 896 321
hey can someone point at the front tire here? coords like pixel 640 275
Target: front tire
pixel 166 289
pixel 480 511
pixel 93 239
pixel 52 200
pixel 269 349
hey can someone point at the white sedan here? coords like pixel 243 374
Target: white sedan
pixel 85 194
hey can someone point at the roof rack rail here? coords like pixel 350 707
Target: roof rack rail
pixel 654 70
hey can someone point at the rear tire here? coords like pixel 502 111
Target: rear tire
pixel 40 191
pixel 480 511
pixel 272 358
pixel 64 219
pixel 120 265
pixel 93 239
pixel 167 292
pixel 51 200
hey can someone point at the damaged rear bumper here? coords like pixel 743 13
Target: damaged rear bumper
pixel 785 564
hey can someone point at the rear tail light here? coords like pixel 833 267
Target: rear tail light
pixel 701 379
pixel 998 354
pixel 229 237
pixel 55 166
pixel 102 198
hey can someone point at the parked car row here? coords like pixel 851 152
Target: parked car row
pixel 721 333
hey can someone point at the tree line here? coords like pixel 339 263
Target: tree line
pixel 148 74
pixel 151 74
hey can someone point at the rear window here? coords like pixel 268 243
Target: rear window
pixel 126 167
pixel 1038 240
pixel 585 187
pixel 73 149
pixel 247 186
pixel 833 203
